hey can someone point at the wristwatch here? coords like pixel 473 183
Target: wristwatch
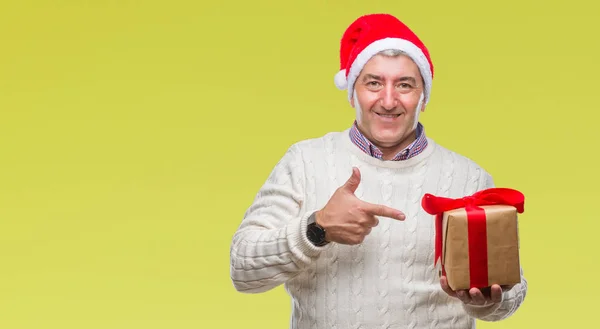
pixel 314 232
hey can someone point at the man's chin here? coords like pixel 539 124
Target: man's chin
pixel 387 139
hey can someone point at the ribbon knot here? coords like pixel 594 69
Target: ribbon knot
pixel 469 201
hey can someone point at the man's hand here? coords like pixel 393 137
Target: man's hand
pixel 474 296
pixel 347 219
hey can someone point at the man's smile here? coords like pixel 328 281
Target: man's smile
pixel 388 116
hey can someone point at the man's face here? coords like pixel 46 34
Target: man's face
pixel 386 96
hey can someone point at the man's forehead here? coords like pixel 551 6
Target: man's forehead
pixel 385 65
pixel 401 77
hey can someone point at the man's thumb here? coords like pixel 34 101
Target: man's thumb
pixel 352 183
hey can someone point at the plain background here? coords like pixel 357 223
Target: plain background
pixel 134 135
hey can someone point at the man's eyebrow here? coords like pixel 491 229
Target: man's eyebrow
pixel 411 79
pixel 370 76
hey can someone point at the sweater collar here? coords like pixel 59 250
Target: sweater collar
pixel 369 148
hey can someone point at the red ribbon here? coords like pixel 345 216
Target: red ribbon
pixel 477 225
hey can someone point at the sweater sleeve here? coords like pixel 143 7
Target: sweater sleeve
pixel 270 245
pixel 511 299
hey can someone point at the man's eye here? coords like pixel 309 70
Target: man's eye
pixel 373 83
pixel 405 86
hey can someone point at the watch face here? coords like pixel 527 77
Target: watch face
pixel 312 236
pixel 315 234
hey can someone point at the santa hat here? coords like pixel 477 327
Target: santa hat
pixel 373 33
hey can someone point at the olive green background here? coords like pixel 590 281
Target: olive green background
pixel 134 135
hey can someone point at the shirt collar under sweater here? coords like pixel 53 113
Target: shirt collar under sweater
pixel 369 148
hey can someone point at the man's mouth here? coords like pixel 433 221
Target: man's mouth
pixel 390 116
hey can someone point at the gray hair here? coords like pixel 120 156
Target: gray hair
pixel 392 53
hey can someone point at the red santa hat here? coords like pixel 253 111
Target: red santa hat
pixel 370 34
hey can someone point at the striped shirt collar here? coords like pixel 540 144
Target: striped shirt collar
pixel 410 151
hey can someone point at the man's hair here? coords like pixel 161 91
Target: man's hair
pixel 392 53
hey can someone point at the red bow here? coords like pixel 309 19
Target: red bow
pixel 435 205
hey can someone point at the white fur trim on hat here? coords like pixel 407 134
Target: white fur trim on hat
pixel 340 80
pixel 383 44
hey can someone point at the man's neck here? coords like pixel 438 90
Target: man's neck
pixel 390 151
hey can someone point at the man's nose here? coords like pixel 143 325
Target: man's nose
pixel 388 98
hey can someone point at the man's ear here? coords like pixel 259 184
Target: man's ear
pixel 352 100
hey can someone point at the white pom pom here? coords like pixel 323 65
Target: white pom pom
pixel 340 80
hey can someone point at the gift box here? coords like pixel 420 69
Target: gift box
pixel 477 239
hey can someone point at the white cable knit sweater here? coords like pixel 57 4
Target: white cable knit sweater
pixel 388 281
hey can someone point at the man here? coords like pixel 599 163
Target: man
pixel 339 220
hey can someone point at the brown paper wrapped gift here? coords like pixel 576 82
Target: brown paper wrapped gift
pixel 477 237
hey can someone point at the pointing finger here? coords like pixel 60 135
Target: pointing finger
pixel 381 210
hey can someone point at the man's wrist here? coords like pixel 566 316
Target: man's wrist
pixel 314 231
pixel 318 217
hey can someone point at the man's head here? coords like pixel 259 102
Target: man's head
pixel 388 97
pixel 388 72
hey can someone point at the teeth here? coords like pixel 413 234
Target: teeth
pixel 388 115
